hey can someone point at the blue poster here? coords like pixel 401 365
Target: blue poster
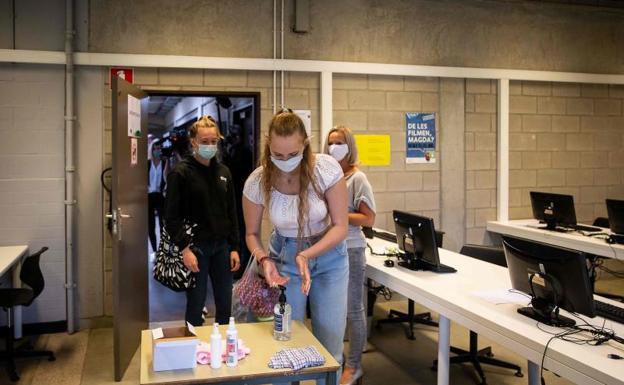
pixel 420 137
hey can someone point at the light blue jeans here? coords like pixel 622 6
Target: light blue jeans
pixel 356 315
pixel 328 292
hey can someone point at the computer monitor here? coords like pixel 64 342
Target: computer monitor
pixel 418 240
pixel 554 277
pixel 615 210
pixel 554 209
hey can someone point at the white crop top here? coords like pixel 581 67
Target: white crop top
pixel 284 208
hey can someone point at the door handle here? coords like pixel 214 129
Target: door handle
pixel 119 221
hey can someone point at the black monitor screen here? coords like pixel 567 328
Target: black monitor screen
pixel 556 276
pixel 554 209
pixel 615 209
pixel 417 238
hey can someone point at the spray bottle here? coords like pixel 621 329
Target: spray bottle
pixel 215 347
pixel 231 344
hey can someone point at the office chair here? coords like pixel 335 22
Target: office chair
pixel 494 255
pixel 410 318
pixel 30 275
pixel 601 222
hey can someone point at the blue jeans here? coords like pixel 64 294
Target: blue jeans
pixel 328 292
pixel 356 316
pixel 213 259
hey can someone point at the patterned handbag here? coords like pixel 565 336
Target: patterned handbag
pixel 169 266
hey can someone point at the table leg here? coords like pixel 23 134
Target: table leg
pixel 17 310
pixel 332 378
pixel 444 346
pixel 534 376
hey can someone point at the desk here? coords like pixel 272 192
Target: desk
pixel 11 259
pixel 251 370
pixel 525 228
pixel 450 296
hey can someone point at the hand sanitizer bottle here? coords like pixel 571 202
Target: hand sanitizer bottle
pixel 215 347
pixel 231 344
pixel 282 315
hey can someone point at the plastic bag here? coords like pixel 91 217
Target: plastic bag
pixel 253 293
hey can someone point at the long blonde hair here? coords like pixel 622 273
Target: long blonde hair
pixel 284 124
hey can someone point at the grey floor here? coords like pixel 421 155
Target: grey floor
pixel 85 358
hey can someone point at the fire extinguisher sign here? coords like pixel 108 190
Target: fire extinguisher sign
pixel 126 74
pixel 420 137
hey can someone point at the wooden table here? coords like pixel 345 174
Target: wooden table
pixel 11 259
pixel 253 369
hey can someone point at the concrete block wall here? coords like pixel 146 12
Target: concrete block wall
pixel 31 176
pixel 566 138
pixel 481 162
pixel 373 104
pixel 301 92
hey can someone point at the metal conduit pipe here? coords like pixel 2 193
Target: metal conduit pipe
pixel 69 163
pixel 274 56
pixel 282 56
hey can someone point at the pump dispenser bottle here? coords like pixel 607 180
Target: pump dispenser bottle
pixel 282 315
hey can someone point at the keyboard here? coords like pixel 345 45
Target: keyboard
pixel 610 312
pixel 386 236
pixel 587 228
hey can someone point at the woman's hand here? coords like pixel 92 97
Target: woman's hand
pixel 190 260
pixel 234 261
pixel 302 264
pixel 271 275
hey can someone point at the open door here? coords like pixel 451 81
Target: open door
pixel 129 214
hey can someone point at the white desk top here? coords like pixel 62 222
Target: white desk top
pixel 526 228
pixel 9 255
pixel 451 295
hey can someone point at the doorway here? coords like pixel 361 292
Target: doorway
pixel 169 118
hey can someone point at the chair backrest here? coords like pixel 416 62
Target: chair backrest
pixel 439 237
pixel 31 275
pixel 491 254
pixel 601 222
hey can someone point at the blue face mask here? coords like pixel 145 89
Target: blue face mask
pixel 287 165
pixel 207 151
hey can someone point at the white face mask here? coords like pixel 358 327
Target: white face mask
pixel 338 151
pixel 287 165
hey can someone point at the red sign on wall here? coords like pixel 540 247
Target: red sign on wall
pixel 125 73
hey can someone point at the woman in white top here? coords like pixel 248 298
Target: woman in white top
pixel 340 144
pixel 306 198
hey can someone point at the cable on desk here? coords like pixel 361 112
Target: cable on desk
pixel 381 254
pixel 599 335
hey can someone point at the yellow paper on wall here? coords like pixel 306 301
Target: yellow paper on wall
pixel 373 150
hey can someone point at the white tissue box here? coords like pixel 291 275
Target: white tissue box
pixel 174 348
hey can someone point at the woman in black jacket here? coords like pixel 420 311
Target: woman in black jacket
pixel 200 191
